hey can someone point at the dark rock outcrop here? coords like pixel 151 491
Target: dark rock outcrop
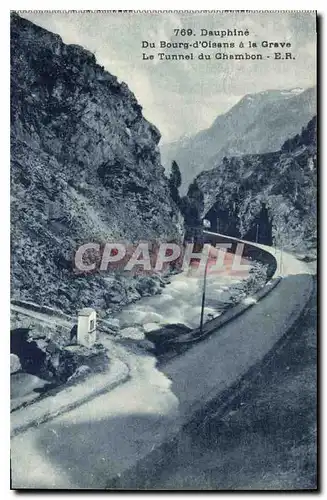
pixel 85 168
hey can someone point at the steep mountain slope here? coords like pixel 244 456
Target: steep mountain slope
pixel 259 123
pixel 269 197
pixel 85 168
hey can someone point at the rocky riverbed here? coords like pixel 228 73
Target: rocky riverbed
pixel 45 356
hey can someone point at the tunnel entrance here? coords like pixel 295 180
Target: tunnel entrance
pixel 222 221
pixel 225 222
pixel 261 228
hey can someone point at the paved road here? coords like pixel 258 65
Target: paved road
pixel 265 438
pixel 90 445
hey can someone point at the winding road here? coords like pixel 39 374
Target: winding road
pixel 104 442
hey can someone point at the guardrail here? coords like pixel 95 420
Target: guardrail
pixel 286 263
pixel 227 316
pixel 253 251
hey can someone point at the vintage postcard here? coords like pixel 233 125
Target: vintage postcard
pixel 164 249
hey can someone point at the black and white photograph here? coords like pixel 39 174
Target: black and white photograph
pixel 163 260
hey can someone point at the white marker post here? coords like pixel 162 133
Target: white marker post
pixel 86 327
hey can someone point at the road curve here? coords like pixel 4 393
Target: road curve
pixel 286 263
pixel 229 352
pixel 214 366
pixel 106 438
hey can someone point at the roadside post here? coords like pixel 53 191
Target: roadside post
pixel 203 296
pixel 257 234
pixel 86 327
pixel 205 224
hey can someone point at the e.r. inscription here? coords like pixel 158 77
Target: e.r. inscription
pixel 242 49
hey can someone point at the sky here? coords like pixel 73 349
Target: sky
pixel 183 97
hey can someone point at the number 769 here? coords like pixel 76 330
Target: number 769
pixel 183 32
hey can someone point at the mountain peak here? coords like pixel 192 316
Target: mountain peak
pixel 258 123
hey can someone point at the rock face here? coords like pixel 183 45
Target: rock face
pixel 259 123
pixel 269 197
pixel 52 358
pixel 85 168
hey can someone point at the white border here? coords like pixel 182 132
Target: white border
pixel 5 158
pixel 165 5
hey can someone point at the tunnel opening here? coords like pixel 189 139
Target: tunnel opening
pixel 261 228
pixel 227 222
pixel 223 221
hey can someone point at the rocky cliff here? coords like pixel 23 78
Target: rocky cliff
pixel 85 168
pixel 258 123
pixel 269 197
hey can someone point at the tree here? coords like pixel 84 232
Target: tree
pixel 175 181
pixel 192 208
